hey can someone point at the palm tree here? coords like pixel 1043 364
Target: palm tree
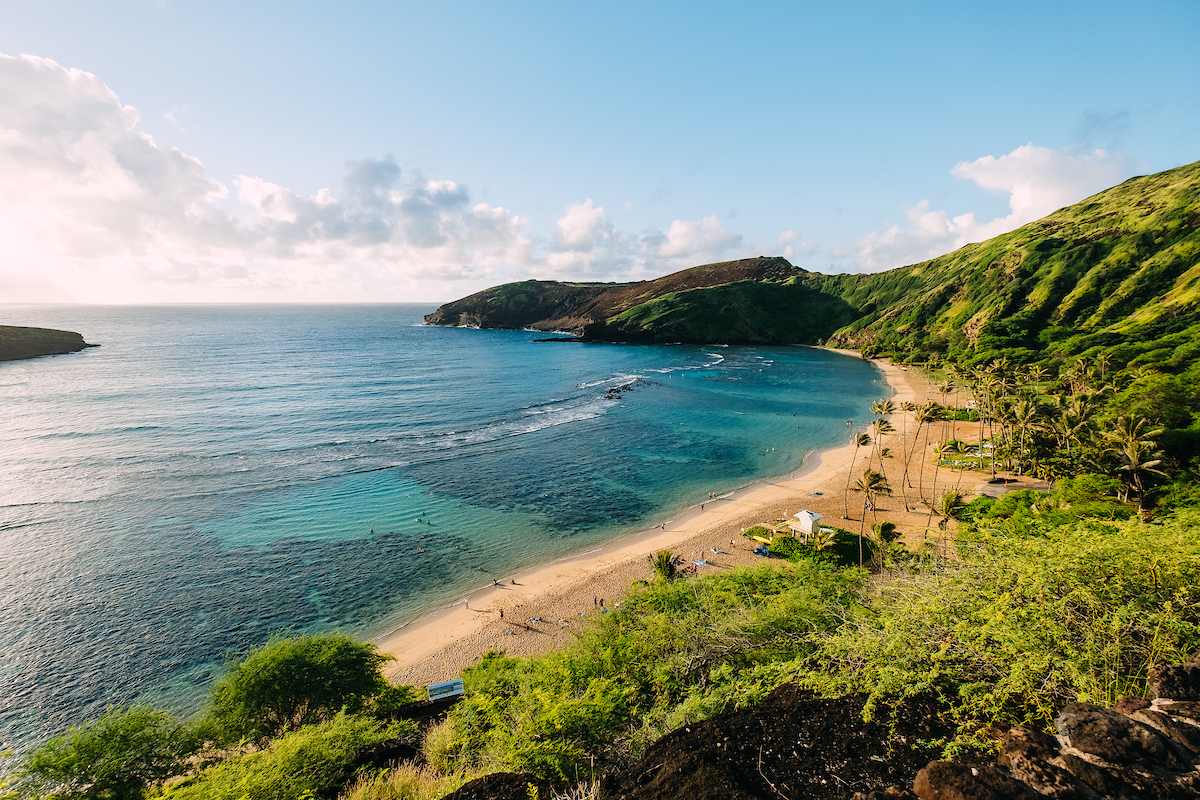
pixel 871 484
pixel 1137 454
pixel 882 428
pixel 1025 414
pixel 929 413
pixel 823 538
pixel 948 507
pixel 883 408
pixel 923 414
pixel 664 564
pixel 861 440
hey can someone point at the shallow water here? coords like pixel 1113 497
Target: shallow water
pixel 213 474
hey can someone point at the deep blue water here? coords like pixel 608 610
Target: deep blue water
pixel 211 475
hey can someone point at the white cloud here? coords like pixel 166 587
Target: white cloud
pixel 585 244
pixel 583 227
pixel 1037 180
pixel 94 210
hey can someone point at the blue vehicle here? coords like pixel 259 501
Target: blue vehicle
pixel 762 550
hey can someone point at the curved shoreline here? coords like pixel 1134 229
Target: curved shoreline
pixel 438 645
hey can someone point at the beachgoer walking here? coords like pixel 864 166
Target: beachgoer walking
pixel 502 613
pixel 467 604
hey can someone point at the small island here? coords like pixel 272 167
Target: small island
pixel 18 342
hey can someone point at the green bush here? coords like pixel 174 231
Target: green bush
pixel 314 761
pixel 117 756
pixel 788 546
pixel 296 681
pixel 1033 616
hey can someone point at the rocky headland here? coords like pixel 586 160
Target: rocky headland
pixel 18 342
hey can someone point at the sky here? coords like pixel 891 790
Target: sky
pixel 180 152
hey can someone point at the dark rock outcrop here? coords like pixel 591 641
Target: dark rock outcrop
pixel 18 342
pixel 1137 749
pixel 792 745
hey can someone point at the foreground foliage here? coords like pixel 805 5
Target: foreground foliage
pixel 117 756
pixel 674 651
pixel 314 761
pixel 1037 613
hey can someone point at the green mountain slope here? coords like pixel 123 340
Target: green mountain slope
pixel 1118 273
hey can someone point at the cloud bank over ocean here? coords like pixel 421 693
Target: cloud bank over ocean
pixel 94 210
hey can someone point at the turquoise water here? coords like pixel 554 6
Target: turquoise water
pixel 211 475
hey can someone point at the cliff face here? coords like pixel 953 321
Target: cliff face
pixel 17 342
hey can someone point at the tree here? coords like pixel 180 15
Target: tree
pixel 926 415
pixel 1026 412
pixel 860 440
pixel 664 564
pixel 882 428
pixel 871 484
pixel 949 507
pixel 885 532
pixel 116 757
pixel 290 682
pixel 1137 454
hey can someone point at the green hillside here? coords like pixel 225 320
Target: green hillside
pixel 1116 273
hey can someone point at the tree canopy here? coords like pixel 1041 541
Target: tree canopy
pixel 115 757
pixel 291 682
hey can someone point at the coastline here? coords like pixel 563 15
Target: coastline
pixel 543 604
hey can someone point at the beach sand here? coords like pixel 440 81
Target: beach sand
pixel 560 594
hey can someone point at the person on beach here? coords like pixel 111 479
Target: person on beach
pixel 502 613
pixel 467 604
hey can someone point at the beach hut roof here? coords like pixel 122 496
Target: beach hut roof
pixel 811 516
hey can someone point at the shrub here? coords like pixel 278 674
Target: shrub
pixel 787 547
pixel 316 761
pixel 116 756
pixel 698 645
pixel 291 682
pixel 1033 616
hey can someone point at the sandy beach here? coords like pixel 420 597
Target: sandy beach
pixel 539 609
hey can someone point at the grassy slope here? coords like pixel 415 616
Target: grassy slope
pixel 1116 271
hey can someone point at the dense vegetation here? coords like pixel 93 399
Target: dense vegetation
pixel 287 721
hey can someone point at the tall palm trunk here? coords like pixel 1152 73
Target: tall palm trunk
pixel 859 440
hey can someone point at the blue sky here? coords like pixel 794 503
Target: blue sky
pixel 461 145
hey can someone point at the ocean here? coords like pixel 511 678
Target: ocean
pixel 211 475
